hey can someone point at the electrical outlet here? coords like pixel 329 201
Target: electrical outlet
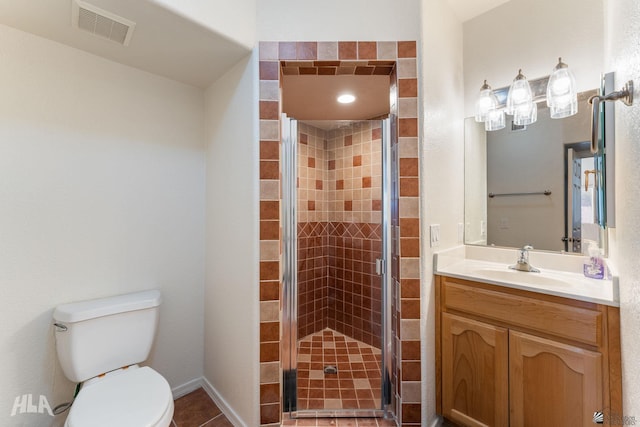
pixel 460 232
pixel 434 230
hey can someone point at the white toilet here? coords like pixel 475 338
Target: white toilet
pixel 99 343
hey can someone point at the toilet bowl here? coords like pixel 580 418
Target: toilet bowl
pixel 94 340
pixel 133 397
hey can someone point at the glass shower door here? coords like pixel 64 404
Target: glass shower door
pixel 334 205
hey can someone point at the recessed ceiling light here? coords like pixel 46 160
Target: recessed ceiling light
pixel 346 98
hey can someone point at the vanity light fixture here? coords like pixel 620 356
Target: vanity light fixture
pixel 346 98
pixel 526 114
pixel 562 95
pixel 488 109
pixel 520 101
pixel 487 101
pixel 521 97
pixel 495 120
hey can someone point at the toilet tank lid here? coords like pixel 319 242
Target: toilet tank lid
pixel 84 310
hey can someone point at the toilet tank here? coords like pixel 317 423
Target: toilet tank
pixel 100 335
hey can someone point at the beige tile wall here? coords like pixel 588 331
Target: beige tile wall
pixel 355 175
pixel 339 173
pixel 313 177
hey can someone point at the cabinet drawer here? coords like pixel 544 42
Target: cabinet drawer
pixel 574 323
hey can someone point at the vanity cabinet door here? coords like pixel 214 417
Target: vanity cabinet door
pixel 551 383
pixel 474 372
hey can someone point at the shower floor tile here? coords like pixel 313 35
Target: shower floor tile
pixel 355 385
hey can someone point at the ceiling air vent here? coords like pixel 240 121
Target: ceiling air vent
pixel 101 23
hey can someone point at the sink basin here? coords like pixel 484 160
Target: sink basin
pixel 508 275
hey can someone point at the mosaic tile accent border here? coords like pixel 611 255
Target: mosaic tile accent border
pixel 405 221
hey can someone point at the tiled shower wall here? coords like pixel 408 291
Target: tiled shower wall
pixel 355 231
pixel 313 174
pixel 339 233
pixel 313 237
pixel 354 300
pixel 355 173
pixel 405 213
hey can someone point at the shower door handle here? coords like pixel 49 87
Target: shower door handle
pixel 380 267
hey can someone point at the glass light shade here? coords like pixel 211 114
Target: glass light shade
pixel 526 114
pixel 486 102
pixel 519 94
pixel 495 120
pixel 562 95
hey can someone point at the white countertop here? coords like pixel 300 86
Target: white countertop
pixel 560 274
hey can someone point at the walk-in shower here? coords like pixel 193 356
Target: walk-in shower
pixel 337 303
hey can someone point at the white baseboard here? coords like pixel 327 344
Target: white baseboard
pixel 222 404
pixel 186 388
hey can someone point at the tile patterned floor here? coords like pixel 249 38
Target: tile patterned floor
pixel 356 385
pixel 196 409
pixel 339 422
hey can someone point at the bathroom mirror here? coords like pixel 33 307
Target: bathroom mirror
pixel 548 158
pixel 538 184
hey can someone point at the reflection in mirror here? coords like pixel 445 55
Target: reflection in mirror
pixel 517 166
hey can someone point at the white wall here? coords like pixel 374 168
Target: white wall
pixel 101 192
pixel 532 34
pixel 329 20
pixel 623 57
pixel 234 19
pixel 231 293
pixel 442 161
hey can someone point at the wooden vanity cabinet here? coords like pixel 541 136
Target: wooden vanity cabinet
pixel 475 372
pixel 506 357
pixel 553 384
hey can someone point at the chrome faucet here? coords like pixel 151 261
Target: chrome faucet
pixel 523 261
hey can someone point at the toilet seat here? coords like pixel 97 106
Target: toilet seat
pixel 132 397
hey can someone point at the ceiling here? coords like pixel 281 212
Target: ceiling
pixel 163 43
pixel 311 97
pixel 469 9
